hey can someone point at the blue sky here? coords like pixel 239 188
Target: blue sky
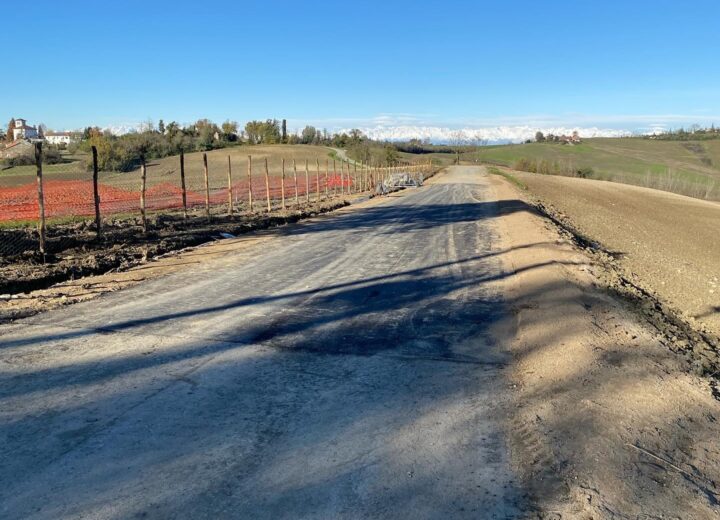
pixel 610 64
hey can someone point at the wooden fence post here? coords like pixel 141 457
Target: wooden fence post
pixel 96 192
pixel 143 185
pixel 267 186
pixel 317 180
pixel 297 201
pixel 41 199
pixel 334 177
pixel 230 188
pixel 282 184
pixel 307 183
pixel 348 179
pixel 182 183
pixel 342 177
pixel 207 186
pixel 250 197
pixel 354 176
pixel 327 176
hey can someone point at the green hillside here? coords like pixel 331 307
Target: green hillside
pixel 686 167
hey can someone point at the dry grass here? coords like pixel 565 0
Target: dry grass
pixel 168 169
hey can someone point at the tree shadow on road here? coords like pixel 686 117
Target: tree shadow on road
pixel 406 216
pixel 385 386
pixel 434 319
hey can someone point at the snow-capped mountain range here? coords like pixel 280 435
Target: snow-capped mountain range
pixel 491 135
pixel 445 135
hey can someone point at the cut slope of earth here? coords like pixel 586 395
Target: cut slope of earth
pixel 608 422
pixel 666 243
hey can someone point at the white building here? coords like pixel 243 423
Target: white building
pixel 23 131
pixel 59 138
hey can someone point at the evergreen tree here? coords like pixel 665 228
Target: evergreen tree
pixel 11 125
pixel 284 138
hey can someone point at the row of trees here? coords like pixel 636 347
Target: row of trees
pixel 552 138
pixel 123 153
pixel 694 133
pixel 155 141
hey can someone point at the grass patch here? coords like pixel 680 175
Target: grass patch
pixel 517 182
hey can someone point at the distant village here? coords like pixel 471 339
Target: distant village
pixel 20 137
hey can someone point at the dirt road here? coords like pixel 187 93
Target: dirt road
pixel 441 353
pixel 346 369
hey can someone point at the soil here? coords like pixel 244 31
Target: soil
pixel 28 284
pixel 609 423
pixel 664 243
pixel 658 250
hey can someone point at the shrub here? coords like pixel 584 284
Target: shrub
pixel 585 173
pixel 525 165
pixel 25 159
pixel 545 167
pixel 50 156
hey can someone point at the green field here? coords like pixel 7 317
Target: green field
pixel 687 167
pixel 20 175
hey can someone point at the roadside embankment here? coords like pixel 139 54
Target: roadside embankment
pixel 662 249
pixel 667 242
pixel 608 422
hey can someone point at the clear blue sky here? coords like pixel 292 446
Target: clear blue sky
pixel 337 64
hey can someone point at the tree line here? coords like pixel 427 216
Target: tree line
pixel 125 152
pixel 694 133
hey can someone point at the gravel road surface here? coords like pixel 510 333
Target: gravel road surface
pixel 343 370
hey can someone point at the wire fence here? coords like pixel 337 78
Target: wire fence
pixel 44 203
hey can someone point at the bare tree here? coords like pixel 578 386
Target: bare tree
pixel 458 139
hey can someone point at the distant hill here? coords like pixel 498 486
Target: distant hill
pixel 686 167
